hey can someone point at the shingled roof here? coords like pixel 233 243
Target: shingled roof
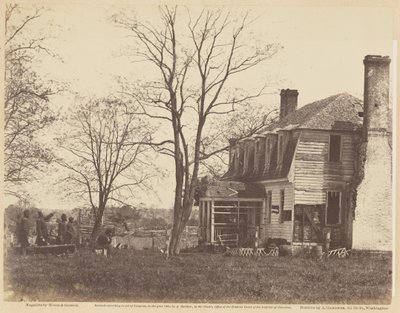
pixel 338 112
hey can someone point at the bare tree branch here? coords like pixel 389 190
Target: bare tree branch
pixel 107 146
pixel 192 77
pixel 26 100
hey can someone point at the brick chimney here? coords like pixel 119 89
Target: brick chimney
pixel 288 102
pixel 372 226
pixel 376 94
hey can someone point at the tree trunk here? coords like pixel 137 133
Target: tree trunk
pixel 98 219
pixel 95 231
pixel 178 228
pixel 183 202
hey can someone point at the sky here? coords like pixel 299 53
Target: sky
pixel 323 49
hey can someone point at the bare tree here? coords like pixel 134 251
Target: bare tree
pixel 195 63
pixel 26 103
pixel 105 153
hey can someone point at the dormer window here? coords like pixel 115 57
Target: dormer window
pixel 250 157
pixel 283 138
pixel 280 149
pixel 261 155
pixel 267 152
pixel 258 155
pixel 232 158
pixel 241 157
pixel 335 148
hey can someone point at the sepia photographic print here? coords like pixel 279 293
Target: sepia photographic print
pixel 199 155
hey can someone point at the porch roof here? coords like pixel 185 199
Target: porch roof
pixel 234 189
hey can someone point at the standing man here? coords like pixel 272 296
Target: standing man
pixel 104 241
pixel 23 232
pixel 42 233
pixel 62 230
pixel 71 232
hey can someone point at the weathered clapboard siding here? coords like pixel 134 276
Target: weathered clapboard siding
pixel 314 174
pixel 275 229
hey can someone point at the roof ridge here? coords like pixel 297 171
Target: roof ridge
pixel 308 112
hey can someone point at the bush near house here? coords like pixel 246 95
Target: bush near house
pixel 140 276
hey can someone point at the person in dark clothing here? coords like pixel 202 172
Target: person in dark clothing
pixel 42 234
pixel 104 241
pixel 70 233
pixel 62 230
pixel 23 231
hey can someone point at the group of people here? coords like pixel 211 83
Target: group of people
pixel 67 232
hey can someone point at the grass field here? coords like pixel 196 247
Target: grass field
pixel 141 276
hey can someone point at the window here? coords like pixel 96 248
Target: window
pixel 334 148
pixel 287 215
pixel 333 207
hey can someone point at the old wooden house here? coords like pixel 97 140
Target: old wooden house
pixel 295 180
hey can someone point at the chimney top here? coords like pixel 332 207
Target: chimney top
pixel 292 92
pixel 376 94
pixel 376 59
pixel 232 141
pixel 288 102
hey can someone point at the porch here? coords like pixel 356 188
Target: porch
pixel 227 218
pixel 312 226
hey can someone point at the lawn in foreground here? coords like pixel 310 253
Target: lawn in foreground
pixel 145 276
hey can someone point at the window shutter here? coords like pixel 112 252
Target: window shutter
pixel 282 205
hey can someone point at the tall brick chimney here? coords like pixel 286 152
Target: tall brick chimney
pixel 376 94
pixel 372 227
pixel 288 102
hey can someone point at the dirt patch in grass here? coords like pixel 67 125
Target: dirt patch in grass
pixel 141 276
